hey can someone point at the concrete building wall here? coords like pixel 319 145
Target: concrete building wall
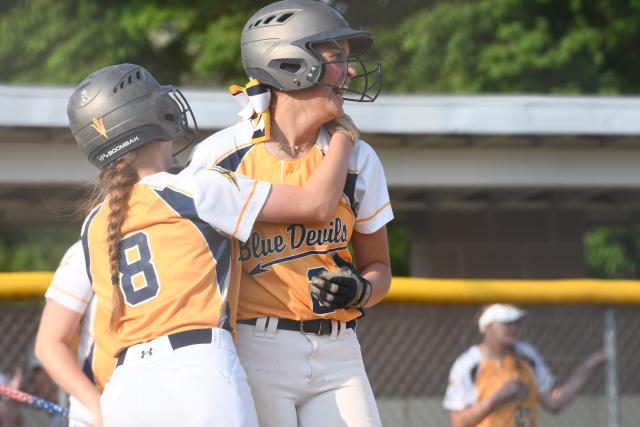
pixel 516 243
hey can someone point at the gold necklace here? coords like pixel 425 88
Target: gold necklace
pixel 287 149
pixel 278 137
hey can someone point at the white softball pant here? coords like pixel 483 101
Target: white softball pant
pixel 306 380
pixel 193 385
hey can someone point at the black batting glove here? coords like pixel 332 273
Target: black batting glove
pixel 341 289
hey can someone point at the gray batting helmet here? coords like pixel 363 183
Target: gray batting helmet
pixel 278 47
pixel 122 107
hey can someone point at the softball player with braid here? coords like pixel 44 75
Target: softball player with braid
pixel 157 252
pixel 300 295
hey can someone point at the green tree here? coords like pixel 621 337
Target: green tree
pixel 186 42
pixel 577 46
pixel 399 249
pixel 613 251
pixel 515 46
pixel 35 248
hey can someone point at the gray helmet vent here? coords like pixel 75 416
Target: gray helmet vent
pixel 128 80
pixel 133 110
pixel 276 19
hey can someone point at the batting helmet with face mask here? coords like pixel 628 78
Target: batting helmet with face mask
pixel 278 48
pixel 122 107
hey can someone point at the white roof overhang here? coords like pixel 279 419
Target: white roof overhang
pixel 438 151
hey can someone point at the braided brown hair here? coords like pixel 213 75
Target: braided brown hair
pixel 116 181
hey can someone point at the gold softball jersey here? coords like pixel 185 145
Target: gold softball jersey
pixel 475 377
pixel 176 270
pixel 278 260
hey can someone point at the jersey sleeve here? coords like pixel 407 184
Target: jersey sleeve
pixel 544 379
pixel 228 201
pixel 370 196
pixel 218 146
pixel 70 285
pixel 461 390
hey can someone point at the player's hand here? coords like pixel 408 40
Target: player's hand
pixel 345 125
pixel 511 391
pixel 341 289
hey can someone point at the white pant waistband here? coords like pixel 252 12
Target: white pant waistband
pixel 165 345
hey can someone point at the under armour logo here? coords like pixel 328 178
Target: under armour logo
pixel 144 353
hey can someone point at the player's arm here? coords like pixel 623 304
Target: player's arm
pixel 475 413
pixel 58 325
pixel 369 283
pixel 316 201
pixel 232 203
pixel 373 262
pixel 558 397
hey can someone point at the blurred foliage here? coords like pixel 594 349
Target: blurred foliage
pixel 188 42
pixel 399 249
pixel 576 46
pixel 613 251
pixel 35 248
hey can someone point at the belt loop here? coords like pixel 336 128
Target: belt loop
pixel 259 330
pixel 272 327
pixel 343 330
pixel 334 330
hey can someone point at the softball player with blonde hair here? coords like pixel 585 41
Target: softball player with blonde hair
pixel 300 295
pixel 158 252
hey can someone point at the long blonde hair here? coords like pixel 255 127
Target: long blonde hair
pixel 116 184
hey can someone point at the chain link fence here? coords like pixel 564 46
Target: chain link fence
pixel 19 323
pixel 408 350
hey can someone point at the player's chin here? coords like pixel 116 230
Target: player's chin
pixel 511 339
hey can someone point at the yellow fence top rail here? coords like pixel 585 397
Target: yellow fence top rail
pixel 24 285
pixel 566 291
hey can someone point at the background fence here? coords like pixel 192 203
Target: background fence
pixel 408 347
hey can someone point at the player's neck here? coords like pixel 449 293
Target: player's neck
pixel 154 157
pixel 495 350
pixel 294 124
pixel 150 166
pixel 291 141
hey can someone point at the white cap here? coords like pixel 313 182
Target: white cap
pixel 502 313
